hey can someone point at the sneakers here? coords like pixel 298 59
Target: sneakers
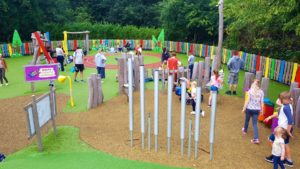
pixel 269 159
pixel 75 80
pixel 193 113
pixel 228 92
pixel 255 141
pixel 6 84
pixel 1 85
pixel 243 131
pixel 82 80
pixel 234 93
pixel 288 163
pixel 203 113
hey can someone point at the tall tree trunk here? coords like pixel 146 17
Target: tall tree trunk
pixel 217 58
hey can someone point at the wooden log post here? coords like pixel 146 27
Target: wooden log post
pixel 295 95
pixel 297 114
pixel 259 75
pixel 293 86
pixel 136 74
pixel 195 71
pixel 95 89
pixel 207 69
pixel 200 73
pixel 248 80
pixel 265 85
pixel 121 73
pixel 91 91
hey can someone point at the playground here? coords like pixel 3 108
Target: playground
pixel 99 138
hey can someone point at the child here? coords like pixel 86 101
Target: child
pixel 193 98
pixel 100 60
pixel 3 68
pixel 285 120
pixel 216 82
pixel 275 114
pixel 278 151
pixel 253 107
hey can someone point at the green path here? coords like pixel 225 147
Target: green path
pixel 67 151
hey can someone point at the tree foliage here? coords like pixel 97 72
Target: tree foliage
pixel 269 27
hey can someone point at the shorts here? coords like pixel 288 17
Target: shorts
pixel 286 141
pixel 79 67
pixel 214 88
pixel 233 78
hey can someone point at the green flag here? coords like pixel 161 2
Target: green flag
pixel 154 43
pixel 161 39
pixel 16 42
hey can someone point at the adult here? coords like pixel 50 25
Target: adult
pixel 3 68
pixel 165 55
pixel 60 57
pixel 78 62
pixel 100 60
pixel 234 64
pixel 191 61
pixel 173 63
pixel 253 107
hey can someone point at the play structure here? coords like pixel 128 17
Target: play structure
pixel 156 114
pixel 66 45
pixel 96 96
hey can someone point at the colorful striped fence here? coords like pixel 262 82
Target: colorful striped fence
pixel 278 70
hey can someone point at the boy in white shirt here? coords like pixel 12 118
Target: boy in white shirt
pixel 78 62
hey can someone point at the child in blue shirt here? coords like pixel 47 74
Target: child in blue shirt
pixel 285 120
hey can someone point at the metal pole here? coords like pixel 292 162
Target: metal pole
pixel 130 94
pixel 197 120
pixel 149 132
pixel 212 122
pixel 156 108
pixel 142 105
pixel 190 139
pixel 169 122
pixel 182 119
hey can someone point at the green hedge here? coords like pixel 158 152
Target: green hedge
pixel 100 30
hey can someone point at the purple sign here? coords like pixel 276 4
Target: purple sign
pixel 41 72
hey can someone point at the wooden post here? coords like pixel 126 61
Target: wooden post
pixel 136 74
pixel 207 68
pixel 121 73
pixel 100 91
pixel 91 91
pixel 297 114
pixel 200 73
pixel 259 75
pixel 36 123
pixel 293 86
pixel 195 71
pixel 265 85
pixel 248 80
pixel 95 90
pixel 295 95
pixel 217 58
pixel 53 107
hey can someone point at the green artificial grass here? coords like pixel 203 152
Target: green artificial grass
pixel 67 151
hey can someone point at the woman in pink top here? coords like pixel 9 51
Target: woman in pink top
pixel 215 83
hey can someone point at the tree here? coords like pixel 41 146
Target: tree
pixel 266 27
